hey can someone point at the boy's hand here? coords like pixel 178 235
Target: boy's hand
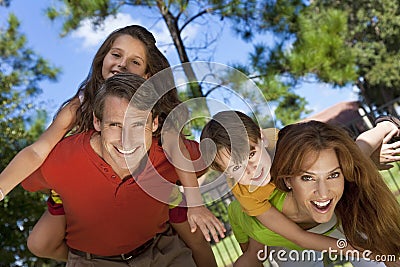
pixel 208 223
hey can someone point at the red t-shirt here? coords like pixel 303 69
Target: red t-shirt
pixel 105 214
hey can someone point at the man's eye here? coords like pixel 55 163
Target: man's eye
pixel 115 124
pixel 138 124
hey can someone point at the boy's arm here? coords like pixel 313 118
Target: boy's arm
pixel 371 140
pixel 280 224
pixel 31 157
pixel 198 214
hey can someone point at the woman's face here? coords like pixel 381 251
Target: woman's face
pixel 319 188
pixel 127 54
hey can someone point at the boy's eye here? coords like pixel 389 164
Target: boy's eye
pixel 236 168
pixel 252 153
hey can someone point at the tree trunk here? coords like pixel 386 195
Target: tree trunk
pixel 173 28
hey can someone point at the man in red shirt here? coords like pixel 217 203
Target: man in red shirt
pixel 111 220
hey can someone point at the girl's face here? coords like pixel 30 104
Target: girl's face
pixel 319 188
pixel 253 172
pixel 127 54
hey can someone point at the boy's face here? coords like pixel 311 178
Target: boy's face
pixel 255 171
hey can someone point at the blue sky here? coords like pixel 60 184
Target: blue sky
pixel 74 53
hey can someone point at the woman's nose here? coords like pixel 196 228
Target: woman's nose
pixel 322 188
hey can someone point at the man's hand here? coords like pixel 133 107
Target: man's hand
pixel 207 222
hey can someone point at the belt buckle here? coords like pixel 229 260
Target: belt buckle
pixel 126 258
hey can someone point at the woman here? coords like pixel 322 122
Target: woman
pixel 320 173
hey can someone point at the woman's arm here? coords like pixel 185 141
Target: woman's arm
pixel 31 157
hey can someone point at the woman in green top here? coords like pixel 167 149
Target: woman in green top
pixel 320 173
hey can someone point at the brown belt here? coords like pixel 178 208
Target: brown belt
pixel 122 257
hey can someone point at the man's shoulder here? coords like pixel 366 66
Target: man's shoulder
pixel 72 141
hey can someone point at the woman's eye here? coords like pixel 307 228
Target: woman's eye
pixel 115 55
pixel 334 175
pixel 306 178
pixel 252 153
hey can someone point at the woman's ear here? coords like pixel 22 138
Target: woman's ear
pixel 288 183
pixel 96 123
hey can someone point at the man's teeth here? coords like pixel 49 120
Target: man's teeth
pixel 322 204
pixel 126 151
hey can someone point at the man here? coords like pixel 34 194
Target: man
pixel 111 221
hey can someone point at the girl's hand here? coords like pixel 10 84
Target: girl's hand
pixel 208 223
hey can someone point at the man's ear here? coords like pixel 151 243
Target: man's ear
pixel 154 124
pixel 96 123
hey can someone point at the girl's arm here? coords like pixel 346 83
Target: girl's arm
pixel 198 214
pixel 31 157
pixel 280 224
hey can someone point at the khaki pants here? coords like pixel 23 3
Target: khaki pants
pixel 167 250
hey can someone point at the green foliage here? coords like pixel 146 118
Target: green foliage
pixel 337 42
pixel 21 70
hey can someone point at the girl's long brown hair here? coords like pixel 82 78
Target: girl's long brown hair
pixel 156 62
pixel 368 210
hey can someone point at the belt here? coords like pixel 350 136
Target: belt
pixel 122 257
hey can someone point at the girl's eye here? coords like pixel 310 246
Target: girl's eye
pixel 136 62
pixel 306 178
pixel 334 175
pixel 252 153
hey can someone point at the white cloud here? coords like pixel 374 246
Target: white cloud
pixel 92 38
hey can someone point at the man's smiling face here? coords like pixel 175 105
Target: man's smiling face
pixel 137 127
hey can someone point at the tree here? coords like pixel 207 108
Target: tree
pixel 337 42
pixel 177 15
pixel 21 70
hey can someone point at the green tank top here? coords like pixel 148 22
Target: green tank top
pixel 245 226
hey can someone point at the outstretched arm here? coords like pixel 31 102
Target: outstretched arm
pixel 198 214
pixel 31 157
pixel 376 143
